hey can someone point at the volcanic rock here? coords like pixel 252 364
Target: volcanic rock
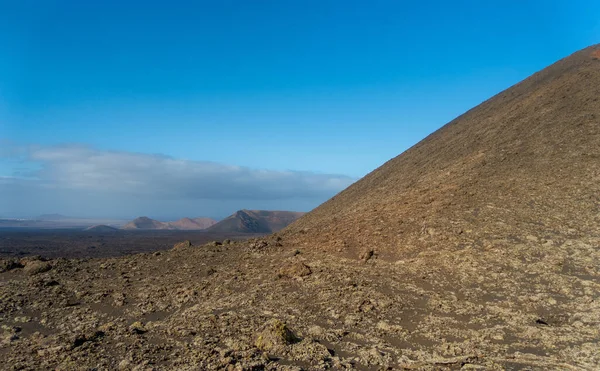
pixel 183 245
pixel 275 334
pixel 36 266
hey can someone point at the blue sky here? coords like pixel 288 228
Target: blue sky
pixel 323 90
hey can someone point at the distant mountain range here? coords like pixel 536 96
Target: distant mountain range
pixel 242 221
pixel 256 221
pixel 145 223
pixel 57 221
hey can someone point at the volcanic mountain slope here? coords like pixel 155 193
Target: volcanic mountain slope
pixel 522 166
pixel 256 221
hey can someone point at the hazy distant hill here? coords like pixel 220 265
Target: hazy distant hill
pixel 181 224
pixel 192 224
pixel 143 222
pixel 57 221
pixel 101 228
pixel 256 221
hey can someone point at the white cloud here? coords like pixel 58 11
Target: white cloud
pixel 83 168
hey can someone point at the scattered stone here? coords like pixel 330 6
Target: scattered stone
pixel 9 338
pixel 274 335
pixel 316 331
pixel 124 364
pixel 260 244
pixel 215 243
pixel 9 264
pixel 137 328
pixel 50 283
pixel 36 267
pixel 367 254
pixel 297 269
pixel 81 339
pixel 182 245
pixel 11 329
pixel 531 238
pixel 366 306
pixel 227 242
pixel 119 299
pixel 109 326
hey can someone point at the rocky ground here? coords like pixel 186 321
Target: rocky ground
pixel 265 304
pixel 73 243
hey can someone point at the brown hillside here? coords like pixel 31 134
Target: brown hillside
pixel 192 224
pixel 183 223
pixel 144 222
pixel 256 221
pixel 523 165
pixel 204 223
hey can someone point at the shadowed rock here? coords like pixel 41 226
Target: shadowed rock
pixel 9 264
pixel 274 335
pixel 183 245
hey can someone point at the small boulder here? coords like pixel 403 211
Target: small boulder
pixel 297 269
pixel 182 245
pixel 124 364
pixel 36 267
pixel 366 254
pixel 275 334
pixel 80 339
pixel 137 328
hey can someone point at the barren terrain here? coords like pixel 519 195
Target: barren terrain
pixel 229 306
pixel 73 243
